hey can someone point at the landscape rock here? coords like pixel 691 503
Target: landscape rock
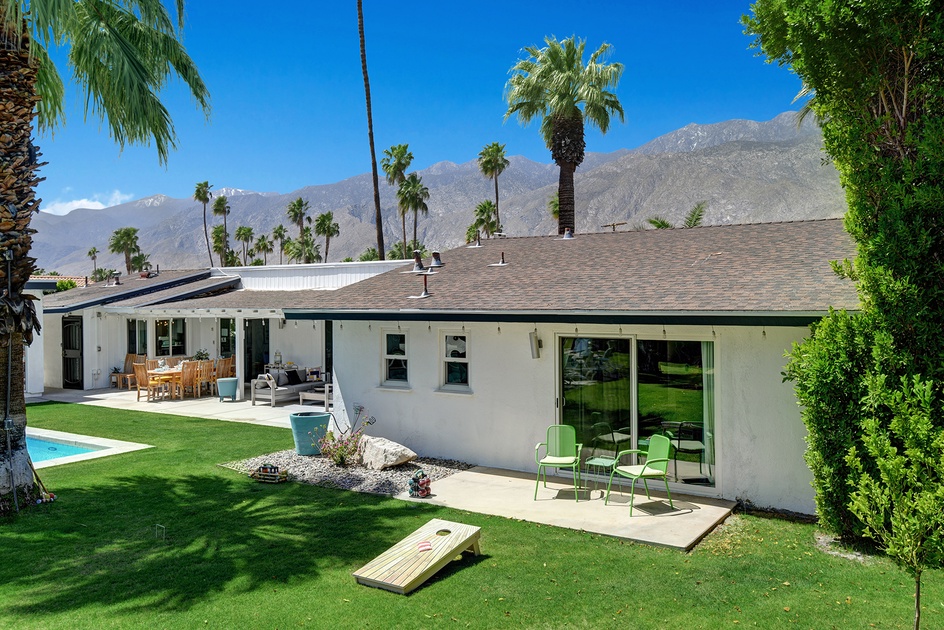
pixel 380 453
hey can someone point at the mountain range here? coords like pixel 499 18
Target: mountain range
pixel 746 172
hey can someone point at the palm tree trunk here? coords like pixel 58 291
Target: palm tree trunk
pixel 225 240
pixel 565 193
pixel 281 249
pixel 206 235
pixel 497 217
pixel 327 244
pixel 378 218
pixel 403 221
pixel 18 164
pixel 415 212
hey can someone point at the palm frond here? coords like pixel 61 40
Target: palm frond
pixel 696 215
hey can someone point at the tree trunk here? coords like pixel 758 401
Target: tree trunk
pixel 565 196
pixel 403 221
pixel 18 164
pixel 206 235
pixel 225 255
pixel 415 214
pixel 378 218
pixel 327 245
pixel 917 617
pixel 497 217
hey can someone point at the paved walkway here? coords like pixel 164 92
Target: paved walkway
pixel 482 490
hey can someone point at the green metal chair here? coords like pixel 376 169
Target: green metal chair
pixel 657 461
pixel 561 451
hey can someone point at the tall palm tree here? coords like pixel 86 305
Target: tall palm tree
pixel 265 247
pixel 378 218
pixel 244 235
pixel 122 57
pixel 303 249
pixel 326 227
pixel 93 254
pixel 492 162
pixel 221 208
pixel 412 196
pixel 279 234
pixel 140 261
pixel 554 85
pixel 125 241
pixel 298 214
pixel 202 194
pixel 394 163
pixel 217 235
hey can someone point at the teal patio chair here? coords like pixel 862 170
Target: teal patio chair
pixel 657 461
pixel 561 451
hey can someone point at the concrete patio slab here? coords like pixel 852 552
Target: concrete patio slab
pixel 511 494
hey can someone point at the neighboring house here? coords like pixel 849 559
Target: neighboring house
pixel 620 334
pixel 230 311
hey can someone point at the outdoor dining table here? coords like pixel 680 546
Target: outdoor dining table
pixel 172 374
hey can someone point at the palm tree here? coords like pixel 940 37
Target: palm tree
pixel 326 227
pixel 122 57
pixel 221 208
pixel 553 206
pixel 554 85
pixel 264 246
pixel 378 218
pixel 217 236
pixel 244 235
pixel 93 254
pixel 369 254
pixel 303 249
pixel 125 241
pixel 492 162
pixel 202 194
pixel 140 262
pixel 694 218
pixel 485 218
pixel 660 223
pixel 298 214
pixel 412 196
pixel 279 234
pixel 397 252
pixel 394 163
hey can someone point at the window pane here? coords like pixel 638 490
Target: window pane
pixel 455 346
pixel 457 373
pixel 142 336
pixel 162 331
pixel 396 345
pixel 675 394
pixel 178 336
pixel 396 370
pixel 132 337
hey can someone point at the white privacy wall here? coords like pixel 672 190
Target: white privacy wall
pixel 760 437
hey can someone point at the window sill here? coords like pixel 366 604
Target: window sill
pixel 395 386
pixel 455 389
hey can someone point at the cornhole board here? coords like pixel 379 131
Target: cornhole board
pixel 403 567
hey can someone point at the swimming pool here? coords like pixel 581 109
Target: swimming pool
pixel 41 450
pixel 53 448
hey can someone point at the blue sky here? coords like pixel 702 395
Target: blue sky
pixel 288 95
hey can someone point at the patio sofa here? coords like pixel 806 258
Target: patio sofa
pixel 279 386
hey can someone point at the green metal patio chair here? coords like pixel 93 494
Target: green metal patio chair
pixel 657 461
pixel 562 451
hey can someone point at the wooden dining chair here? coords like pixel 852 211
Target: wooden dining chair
pixel 187 379
pixel 151 386
pixel 127 374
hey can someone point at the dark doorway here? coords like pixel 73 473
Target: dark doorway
pixel 257 346
pixel 72 353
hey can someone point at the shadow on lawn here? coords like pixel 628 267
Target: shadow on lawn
pixel 98 546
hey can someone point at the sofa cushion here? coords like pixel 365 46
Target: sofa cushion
pixel 293 377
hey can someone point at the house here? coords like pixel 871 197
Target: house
pixel 230 311
pixel 620 334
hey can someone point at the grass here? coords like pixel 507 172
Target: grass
pixel 239 554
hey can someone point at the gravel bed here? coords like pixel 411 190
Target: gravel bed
pixel 320 471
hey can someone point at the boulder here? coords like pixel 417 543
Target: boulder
pixel 380 453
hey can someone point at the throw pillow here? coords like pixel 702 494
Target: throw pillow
pixel 280 378
pixel 293 378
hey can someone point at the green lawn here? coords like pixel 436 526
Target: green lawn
pixel 239 554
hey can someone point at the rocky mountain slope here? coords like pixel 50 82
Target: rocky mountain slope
pixel 745 170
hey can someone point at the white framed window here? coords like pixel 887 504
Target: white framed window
pixel 455 361
pixel 395 362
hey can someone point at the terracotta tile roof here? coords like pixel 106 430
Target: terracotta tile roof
pixel 736 269
pixel 102 293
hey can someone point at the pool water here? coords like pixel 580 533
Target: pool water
pixel 45 450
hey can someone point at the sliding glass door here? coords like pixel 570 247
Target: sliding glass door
pixel 618 392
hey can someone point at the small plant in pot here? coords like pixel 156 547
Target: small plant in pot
pixel 345 447
pixel 201 355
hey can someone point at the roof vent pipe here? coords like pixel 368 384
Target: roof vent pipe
pixel 417 262
pixel 437 262
pixel 568 233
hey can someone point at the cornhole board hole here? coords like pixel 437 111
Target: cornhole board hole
pixel 404 567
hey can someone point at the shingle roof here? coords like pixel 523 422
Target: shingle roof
pixel 100 293
pixel 173 294
pixel 763 269
pixel 242 298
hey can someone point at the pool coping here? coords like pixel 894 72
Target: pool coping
pixel 104 447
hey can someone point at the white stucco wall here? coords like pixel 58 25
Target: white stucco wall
pixel 759 451
pixel 33 354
